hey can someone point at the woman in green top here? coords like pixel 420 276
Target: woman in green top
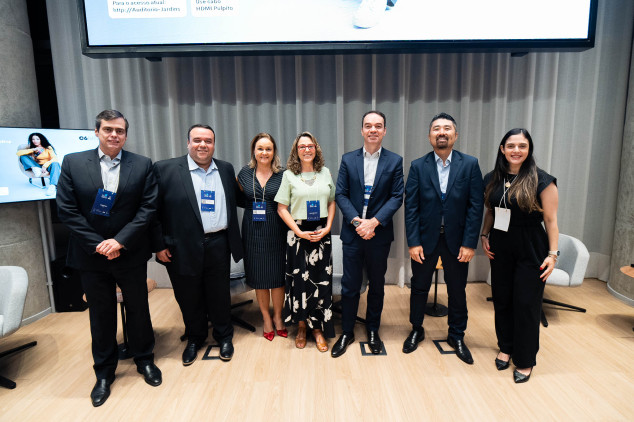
pixel 306 203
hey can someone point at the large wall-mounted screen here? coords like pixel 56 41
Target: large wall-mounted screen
pixel 144 27
pixel 31 158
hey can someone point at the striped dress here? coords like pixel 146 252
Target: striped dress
pixel 264 241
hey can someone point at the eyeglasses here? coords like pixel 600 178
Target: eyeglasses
pixel 306 147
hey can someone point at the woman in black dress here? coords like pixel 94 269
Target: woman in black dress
pixel 518 197
pixel 263 232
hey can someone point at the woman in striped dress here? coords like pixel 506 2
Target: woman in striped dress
pixel 263 232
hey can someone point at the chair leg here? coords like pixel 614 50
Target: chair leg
pixel 436 309
pixel 239 321
pixel 5 382
pixel 544 320
pixel 124 349
pixel 336 307
pixel 563 305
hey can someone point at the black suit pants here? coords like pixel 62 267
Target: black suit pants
pixel 100 289
pixel 207 296
pixel 372 256
pixel 456 281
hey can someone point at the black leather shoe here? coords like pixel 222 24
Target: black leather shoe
pixel 412 340
pixel 502 364
pixel 226 350
pixel 101 391
pixel 151 373
pixel 341 345
pixel 461 350
pixel 374 342
pixel 519 378
pixel 190 353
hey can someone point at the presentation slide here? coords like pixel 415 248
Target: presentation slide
pixel 15 185
pixel 179 22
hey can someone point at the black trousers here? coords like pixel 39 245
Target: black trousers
pixel 518 290
pixel 456 280
pixel 207 296
pixel 372 256
pixel 100 289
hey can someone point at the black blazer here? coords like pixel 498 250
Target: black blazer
pixel 133 209
pixel 179 226
pixel 386 197
pixel 462 207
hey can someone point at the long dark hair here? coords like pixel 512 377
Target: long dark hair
pixel 524 188
pixel 294 164
pixel 44 143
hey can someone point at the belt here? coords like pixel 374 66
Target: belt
pixel 215 234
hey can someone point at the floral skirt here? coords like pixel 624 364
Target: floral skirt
pixel 308 293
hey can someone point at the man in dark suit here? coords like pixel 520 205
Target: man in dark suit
pixel 443 212
pixel 196 234
pixel 369 191
pixel 107 198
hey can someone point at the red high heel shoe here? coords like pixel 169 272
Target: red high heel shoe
pixel 282 333
pixel 269 336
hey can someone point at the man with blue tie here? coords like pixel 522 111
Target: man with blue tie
pixel 443 213
pixel 369 192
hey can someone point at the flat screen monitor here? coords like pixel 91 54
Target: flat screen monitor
pixel 18 181
pixel 190 27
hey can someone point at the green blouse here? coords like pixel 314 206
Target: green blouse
pixel 295 192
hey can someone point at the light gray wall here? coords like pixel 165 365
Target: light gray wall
pixel 20 238
pixel 619 284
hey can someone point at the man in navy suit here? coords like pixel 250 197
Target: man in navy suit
pixel 107 198
pixel 369 191
pixel 443 212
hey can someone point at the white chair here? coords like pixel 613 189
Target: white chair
pixel 337 274
pixel 13 285
pixel 569 271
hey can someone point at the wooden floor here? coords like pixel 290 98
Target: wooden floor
pixel 585 370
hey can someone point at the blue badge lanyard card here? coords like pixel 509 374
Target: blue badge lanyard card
pixel 105 198
pixel 259 207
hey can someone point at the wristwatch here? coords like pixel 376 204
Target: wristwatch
pixel 356 223
pixel 554 254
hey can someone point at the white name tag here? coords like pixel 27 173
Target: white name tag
pixel 502 219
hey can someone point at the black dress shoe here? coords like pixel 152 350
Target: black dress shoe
pixel 190 353
pixel 519 378
pixel 502 364
pixel 341 345
pixel 151 373
pixel 101 391
pixel 412 340
pixel 226 350
pixel 461 350
pixel 374 342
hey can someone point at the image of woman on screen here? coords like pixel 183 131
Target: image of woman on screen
pixel 519 197
pixel 306 203
pixel 264 232
pixel 40 158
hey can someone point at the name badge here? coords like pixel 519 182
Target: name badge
pixel 259 210
pixel 208 201
pixel 312 210
pixel 366 195
pixel 103 203
pixel 502 219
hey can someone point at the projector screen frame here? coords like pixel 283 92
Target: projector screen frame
pixel 156 51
